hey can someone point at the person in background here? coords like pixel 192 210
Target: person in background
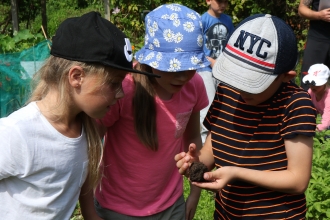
pixel 217 26
pixel 317 49
pixel 261 127
pixel 317 80
pixel 157 118
pixel 50 146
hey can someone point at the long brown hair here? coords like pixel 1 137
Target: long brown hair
pixel 144 108
pixel 54 75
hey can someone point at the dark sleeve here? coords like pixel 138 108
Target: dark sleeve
pixel 299 116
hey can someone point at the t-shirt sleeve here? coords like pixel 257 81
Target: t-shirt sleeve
pixel 13 151
pixel 209 119
pixel 299 117
pixel 202 99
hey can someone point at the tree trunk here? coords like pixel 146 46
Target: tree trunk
pixel 14 16
pixel 44 16
pixel 106 10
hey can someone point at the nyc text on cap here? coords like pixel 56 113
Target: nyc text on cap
pixel 261 47
pixel 91 38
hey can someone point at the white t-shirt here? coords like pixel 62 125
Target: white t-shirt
pixel 41 170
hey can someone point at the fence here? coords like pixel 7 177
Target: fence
pixel 16 71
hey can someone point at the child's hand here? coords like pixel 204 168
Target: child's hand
pixel 218 179
pixel 184 160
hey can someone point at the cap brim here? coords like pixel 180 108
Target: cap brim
pixel 107 64
pixel 247 79
pixel 132 70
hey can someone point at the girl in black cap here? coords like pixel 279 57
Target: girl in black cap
pixel 51 146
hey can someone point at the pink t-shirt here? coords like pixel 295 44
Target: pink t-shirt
pixel 323 108
pixel 138 181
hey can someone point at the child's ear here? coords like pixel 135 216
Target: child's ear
pixel 289 75
pixel 208 2
pixel 76 75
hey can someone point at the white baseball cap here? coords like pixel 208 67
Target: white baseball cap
pixel 318 75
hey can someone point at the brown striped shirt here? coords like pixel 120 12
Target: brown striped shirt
pixel 253 137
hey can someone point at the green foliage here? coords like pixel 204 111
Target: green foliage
pixel 318 191
pixel 128 18
pixel 24 39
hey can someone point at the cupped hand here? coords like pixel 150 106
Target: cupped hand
pixel 217 179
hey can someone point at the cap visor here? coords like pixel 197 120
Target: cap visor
pixel 245 78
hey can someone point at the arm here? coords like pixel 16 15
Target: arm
pixel 192 135
pixel 212 61
pixel 86 200
pixel 293 180
pixel 305 11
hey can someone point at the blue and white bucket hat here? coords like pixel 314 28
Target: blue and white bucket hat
pixel 173 39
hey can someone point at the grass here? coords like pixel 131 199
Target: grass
pixel 205 207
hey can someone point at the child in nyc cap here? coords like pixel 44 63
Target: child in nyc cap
pixel 157 118
pixel 261 127
pixel 51 146
pixel 317 80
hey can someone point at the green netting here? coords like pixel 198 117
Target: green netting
pixel 16 71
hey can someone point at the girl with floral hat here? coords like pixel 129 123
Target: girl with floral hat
pixel 155 120
pixel 317 79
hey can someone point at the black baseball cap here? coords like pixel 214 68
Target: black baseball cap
pixel 91 38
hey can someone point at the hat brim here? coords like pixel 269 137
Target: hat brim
pixel 107 64
pixel 166 62
pixel 249 80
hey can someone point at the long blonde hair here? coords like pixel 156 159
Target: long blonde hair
pixel 54 74
pixel 144 108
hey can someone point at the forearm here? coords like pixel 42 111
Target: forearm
pixel 206 153
pixel 195 191
pixel 86 201
pixel 282 181
pixel 295 178
pixel 192 133
pixel 306 12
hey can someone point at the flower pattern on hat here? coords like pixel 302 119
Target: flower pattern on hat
pixel 173 39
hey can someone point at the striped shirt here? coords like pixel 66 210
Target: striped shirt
pixel 253 137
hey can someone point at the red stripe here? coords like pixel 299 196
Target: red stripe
pixel 233 50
